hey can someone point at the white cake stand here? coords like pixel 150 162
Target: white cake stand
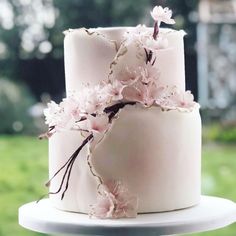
pixel 211 213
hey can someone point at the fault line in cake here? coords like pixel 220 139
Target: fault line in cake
pixel 93 111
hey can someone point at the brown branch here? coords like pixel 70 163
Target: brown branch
pixel 154 61
pixel 156 30
pixel 149 58
pixel 155 34
pixel 48 134
pixel 111 111
pixel 63 178
pixel 82 119
pixel 68 179
pixel 114 109
pixel 147 55
pixel 68 165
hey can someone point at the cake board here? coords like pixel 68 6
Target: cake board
pixel 212 213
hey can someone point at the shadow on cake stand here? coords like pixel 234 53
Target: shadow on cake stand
pixel 212 213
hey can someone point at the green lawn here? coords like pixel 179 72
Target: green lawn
pixel 24 171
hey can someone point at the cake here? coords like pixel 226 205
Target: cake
pixel 127 137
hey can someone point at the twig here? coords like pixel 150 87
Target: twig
pixel 155 34
pixel 156 30
pixel 68 165
pixel 114 109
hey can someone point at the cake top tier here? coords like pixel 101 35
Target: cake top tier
pixel 91 54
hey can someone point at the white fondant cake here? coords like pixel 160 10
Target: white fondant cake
pixel 157 154
pixel 151 143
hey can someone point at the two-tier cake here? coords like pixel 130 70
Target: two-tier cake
pixel 127 138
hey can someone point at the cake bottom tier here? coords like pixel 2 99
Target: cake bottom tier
pixel 156 154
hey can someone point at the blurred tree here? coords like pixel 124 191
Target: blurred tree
pixel 185 12
pixel 14 102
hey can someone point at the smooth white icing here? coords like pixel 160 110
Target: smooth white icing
pixel 156 154
pixel 88 56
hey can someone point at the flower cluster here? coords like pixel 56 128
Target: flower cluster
pixel 143 36
pixel 85 111
pixel 174 99
pixel 115 202
pixel 143 86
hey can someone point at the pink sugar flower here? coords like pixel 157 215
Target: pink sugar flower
pixel 71 107
pixel 104 208
pixel 127 76
pixel 126 208
pixel 115 90
pixel 57 118
pixel 183 100
pixel 148 74
pixel 160 14
pixel 115 202
pixel 131 93
pixel 52 113
pixel 98 124
pixel 93 99
pixel 163 97
pixel 137 34
pixel 155 45
pixel 171 99
pixel 144 86
pixel 140 92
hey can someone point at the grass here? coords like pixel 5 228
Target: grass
pixel 219 178
pixel 24 170
pixel 220 133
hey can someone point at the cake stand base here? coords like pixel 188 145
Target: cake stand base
pixel 211 213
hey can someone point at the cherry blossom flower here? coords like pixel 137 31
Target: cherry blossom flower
pixel 115 202
pixel 115 90
pixel 137 34
pixel 52 113
pixel 140 92
pixel 126 204
pixel 104 208
pixel 127 207
pixel 144 88
pixel 184 100
pixel 163 97
pixel 172 99
pixel 160 14
pixel 93 99
pixel 71 107
pixel 57 118
pixel 143 36
pixel 155 45
pixel 148 74
pixel 98 124
pixel 128 76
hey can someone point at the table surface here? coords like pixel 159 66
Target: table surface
pixel 211 213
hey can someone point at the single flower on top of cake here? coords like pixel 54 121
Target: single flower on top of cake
pixel 160 14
